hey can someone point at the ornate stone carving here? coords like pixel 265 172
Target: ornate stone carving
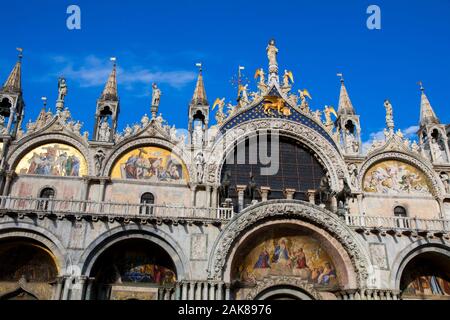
pixel 269 282
pixel 277 209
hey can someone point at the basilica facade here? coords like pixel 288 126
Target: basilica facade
pixel 267 198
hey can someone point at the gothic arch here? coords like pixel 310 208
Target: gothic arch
pixel 436 184
pixel 412 251
pixel 141 142
pixel 118 234
pixel 35 141
pixel 219 265
pixel 328 154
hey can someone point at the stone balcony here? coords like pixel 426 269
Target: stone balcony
pixel 398 225
pixel 110 211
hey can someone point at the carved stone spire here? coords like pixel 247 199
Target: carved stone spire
pixel 345 104
pixel 199 97
pixel 110 91
pixel 427 115
pixel 14 82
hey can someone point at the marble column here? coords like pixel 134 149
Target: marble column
pixel 289 193
pixel 208 197
pixel 240 190
pixel 311 196
pixel 9 178
pixel 59 288
pixel 215 191
pixel 193 191
pixel 264 193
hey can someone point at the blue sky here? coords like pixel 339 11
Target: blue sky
pixel 162 40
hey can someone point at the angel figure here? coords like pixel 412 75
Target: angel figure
pixel 288 78
pixel 303 95
pixel 220 115
pixel 261 75
pixel 327 112
pixel 243 95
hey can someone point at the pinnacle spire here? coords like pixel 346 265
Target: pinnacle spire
pixel 110 90
pixel 14 82
pixel 427 115
pixel 199 97
pixel 345 104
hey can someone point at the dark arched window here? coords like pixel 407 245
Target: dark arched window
pixel 147 200
pixel 46 193
pixel 400 214
pixel 400 211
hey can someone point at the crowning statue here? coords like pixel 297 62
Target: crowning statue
pixel 156 95
pixel 272 52
pixel 389 115
pixel 62 92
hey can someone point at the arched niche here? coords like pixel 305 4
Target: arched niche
pixel 53 159
pixel 28 269
pixel 426 277
pixel 132 268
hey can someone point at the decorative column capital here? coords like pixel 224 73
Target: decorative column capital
pixel 289 193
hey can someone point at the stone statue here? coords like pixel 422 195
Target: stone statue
pixel 104 132
pixel 324 189
pixel 198 136
pixel 389 114
pixel 415 147
pixel 243 95
pixel 225 185
pixel 272 52
pixel 304 104
pixel 351 145
pixel 145 120
pixel 173 133
pixel 251 187
pixel 220 115
pixel 128 131
pixel 200 166
pixel 436 151
pixel 446 181
pixel 353 171
pixel 99 158
pixel 156 95
pixel 62 89
pixel 399 134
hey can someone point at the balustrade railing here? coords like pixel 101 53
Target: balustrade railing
pixel 398 223
pixel 58 206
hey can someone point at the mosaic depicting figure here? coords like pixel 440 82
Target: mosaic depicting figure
pixel 395 177
pixel 150 163
pixel 425 282
pixel 296 256
pixel 53 159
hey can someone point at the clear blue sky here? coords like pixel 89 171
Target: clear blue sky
pixel 162 40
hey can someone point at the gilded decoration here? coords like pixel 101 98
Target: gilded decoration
pixel 53 159
pixel 395 177
pixel 150 163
